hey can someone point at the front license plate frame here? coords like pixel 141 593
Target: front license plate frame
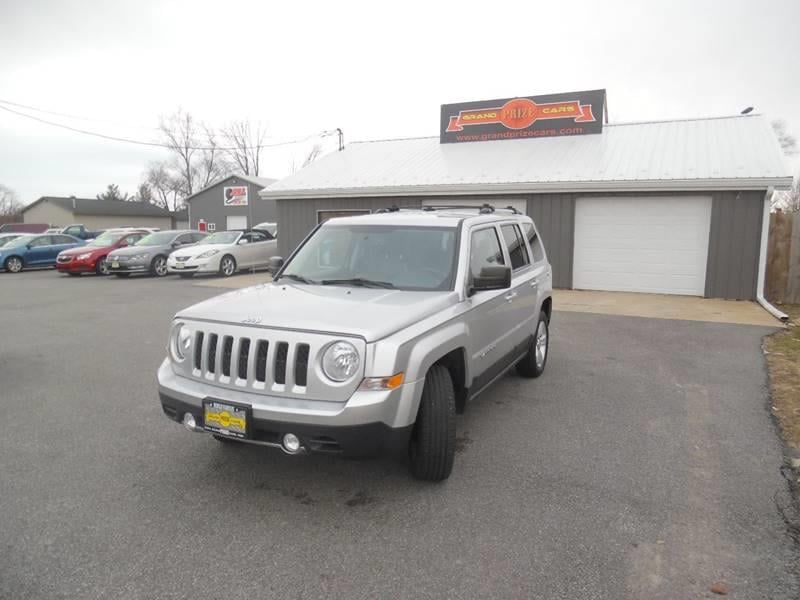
pixel 227 426
pixel 115 264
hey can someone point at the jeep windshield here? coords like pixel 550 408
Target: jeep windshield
pixel 377 256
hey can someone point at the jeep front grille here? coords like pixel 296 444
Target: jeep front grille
pixel 266 361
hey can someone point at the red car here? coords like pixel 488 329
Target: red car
pixel 91 258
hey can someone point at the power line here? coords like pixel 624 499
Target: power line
pixel 159 144
pixel 69 116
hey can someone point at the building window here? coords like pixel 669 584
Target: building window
pixel 324 215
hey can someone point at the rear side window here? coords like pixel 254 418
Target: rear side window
pixel 484 251
pixel 516 247
pixel 62 239
pixel 534 242
pixel 41 241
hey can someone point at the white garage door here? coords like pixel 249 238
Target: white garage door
pixel 520 205
pixel 652 244
pixel 236 222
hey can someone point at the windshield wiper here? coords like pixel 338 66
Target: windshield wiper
pixel 360 282
pixel 298 278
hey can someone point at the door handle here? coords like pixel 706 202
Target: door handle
pixel 510 297
pixel 534 282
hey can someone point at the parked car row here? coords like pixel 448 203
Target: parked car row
pixel 124 252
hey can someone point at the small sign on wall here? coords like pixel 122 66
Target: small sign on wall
pixel 235 195
pixel 212 226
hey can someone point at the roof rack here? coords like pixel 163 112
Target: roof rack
pixel 484 209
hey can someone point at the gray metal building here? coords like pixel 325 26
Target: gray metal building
pixel 220 208
pixel 96 214
pixel 676 207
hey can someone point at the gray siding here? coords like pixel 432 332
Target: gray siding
pixel 209 205
pixel 734 244
pixel 734 239
pixel 554 215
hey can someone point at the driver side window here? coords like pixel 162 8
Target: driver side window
pixel 485 251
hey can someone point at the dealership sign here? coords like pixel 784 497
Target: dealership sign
pixel 235 195
pixel 574 113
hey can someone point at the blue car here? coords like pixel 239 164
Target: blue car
pixel 38 250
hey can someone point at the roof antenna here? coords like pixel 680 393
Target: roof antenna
pixel 747 111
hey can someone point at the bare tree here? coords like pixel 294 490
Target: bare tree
pixel 313 154
pixel 10 205
pixel 165 188
pixel 112 193
pixel 197 159
pixel 787 141
pixel 143 194
pixel 244 141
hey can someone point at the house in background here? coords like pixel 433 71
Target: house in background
pixel 96 214
pixel 231 203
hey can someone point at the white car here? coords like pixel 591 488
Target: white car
pixel 224 252
pixel 272 228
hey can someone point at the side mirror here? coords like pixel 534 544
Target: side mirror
pixel 491 278
pixel 275 263
pixel 242 242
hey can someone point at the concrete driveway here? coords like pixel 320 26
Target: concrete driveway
pixel 643 464
pixel 663 306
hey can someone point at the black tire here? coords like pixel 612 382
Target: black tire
pixel 186 275
pixel 14 264
pixel 223 269
pixel 101 267
pixel 158 268
pixel 533 364
pixel 122 274
pixel 433 441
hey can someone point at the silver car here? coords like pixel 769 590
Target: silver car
pixel 149 254
pixel 372 336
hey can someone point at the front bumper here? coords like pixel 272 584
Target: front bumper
pixel 193 265
pixel 128 266
pixel 76 266
pixel 369 423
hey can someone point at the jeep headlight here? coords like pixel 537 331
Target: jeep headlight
pixel 208 254
pixel 180 340
pixel 340 361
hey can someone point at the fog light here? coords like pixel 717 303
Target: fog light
pixel 189 422
pixel 291 443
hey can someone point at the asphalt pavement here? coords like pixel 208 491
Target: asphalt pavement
pixel 643 464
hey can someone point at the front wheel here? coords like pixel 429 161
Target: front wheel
pixel 227 266
pixel 13 264
pixel 159 266
pixel 534 362
pixel 433 442
pixel 101 268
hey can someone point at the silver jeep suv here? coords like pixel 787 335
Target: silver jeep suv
pixel 372 336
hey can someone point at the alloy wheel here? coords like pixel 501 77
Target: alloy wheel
pixel 161 266
pixel 14 264
pixel 541 344
pixel 227 266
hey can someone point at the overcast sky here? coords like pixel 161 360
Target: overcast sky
pixel 375 69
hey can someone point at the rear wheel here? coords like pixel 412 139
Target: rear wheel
pixel 534 362
pixel 101 268
pixel 159 266
pixel 227 266
pixel 433 442
pixel 13 264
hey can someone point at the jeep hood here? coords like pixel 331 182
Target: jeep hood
pixel 365 312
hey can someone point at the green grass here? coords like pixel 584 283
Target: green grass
pixel 783 360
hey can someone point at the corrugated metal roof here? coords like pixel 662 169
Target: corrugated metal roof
pixel 739 152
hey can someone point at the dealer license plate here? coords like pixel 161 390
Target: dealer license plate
pixel 115 264
pixel 226 418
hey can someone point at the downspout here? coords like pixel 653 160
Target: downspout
pixel 762 261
